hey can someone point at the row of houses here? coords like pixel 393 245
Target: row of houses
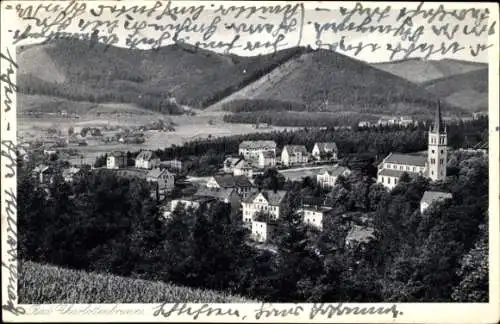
pixel 263 154
pixel 403 121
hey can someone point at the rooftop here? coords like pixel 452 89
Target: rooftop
pixel 327 146
pixel 274 198
pixel 293 149
pixel 258 145
pixel 431 196
pixel 407 159
pixel 146 156
pixel 231 181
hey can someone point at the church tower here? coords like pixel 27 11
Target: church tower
pixel 437 155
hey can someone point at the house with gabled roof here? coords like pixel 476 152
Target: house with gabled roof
pixel 261 211
pixel 314 216
pixel 430 197
pixel 294 154
pixel 268 201
pixel 116 160
pixel 237 166
pixel 163 181
pixel 267 159
pixel 250 150
pixel 328 176
pixel 325 151
pixel 241 183
pixel 228 196
pixel 147 160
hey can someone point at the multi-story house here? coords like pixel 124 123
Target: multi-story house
pixel 250 150
pixel 315 216
pixel 430 197
pixel 325 150
pixel 238 167
pixel 227 196
pixel 261 211
pixel 328 176
pixel 163 181
pixel 267 201
pixel 294 154
pixel 242 184
pixel 267 159
pixel 147 160
pixel 116 160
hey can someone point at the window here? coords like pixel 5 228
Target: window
pixel 388 180
pixel 432 172
pixel 382 179
pixel 441 161
pixel 414 169
pixel 400 167
pixel 441 151
pixel 433 161
pixel 433 151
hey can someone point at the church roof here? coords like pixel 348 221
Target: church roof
pixel 438 126
pixel 407 159
pixel 392 173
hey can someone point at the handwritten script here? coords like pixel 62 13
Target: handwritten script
pixel 422 30
pixel 270 311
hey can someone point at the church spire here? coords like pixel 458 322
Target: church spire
pixel 438 126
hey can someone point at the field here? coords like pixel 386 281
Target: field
pixel 298 174
pixel 118 116
pixel 42 284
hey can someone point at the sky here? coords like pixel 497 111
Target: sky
pixel 307 16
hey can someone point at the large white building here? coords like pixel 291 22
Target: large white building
pixel 294 154
pixel 147 160
pixel 250 150
pixel 116 160
pixel 328 176
pixel 431 165
pixel 314 216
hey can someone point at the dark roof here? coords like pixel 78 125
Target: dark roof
pixel 273 198
pixel 438 126
pixel 327 146
pixel 118 154
pixel 146 155
pixel 407 159
pixel 221 194
pixel 231 181
pixel 155 173
pixel 392 173
pixel 258 145
pixel 431 196
pixel 335 170
pixel 293 149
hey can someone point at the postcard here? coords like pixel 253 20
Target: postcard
pixel 250 161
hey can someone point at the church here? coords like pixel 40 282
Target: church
pixel 431 165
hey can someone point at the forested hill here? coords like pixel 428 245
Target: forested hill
pixel 468 90
pixel 77 70
pixel 179 75
pixel 326 81
pixel 420 71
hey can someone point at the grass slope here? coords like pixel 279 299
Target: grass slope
pixel 467 90
pixel 327 81
pixel 195 77
pixel 420 71
pixel 50 284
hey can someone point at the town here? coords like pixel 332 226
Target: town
pixel 260 209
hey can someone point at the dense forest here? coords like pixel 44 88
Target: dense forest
pixel 104 223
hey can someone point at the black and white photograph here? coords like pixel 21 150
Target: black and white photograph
pixel 174 153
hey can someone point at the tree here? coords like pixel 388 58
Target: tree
pixel 473 271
